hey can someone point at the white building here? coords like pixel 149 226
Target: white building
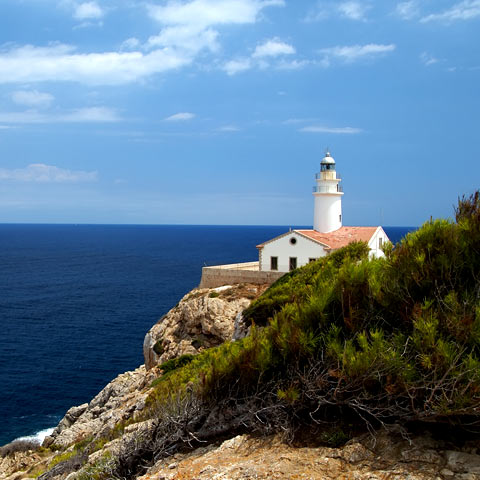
pixel 298 247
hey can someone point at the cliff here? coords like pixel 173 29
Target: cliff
pixel 89 433
pixel 202 319
pixel 349 367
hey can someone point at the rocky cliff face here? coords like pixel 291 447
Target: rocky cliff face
pixel 204 318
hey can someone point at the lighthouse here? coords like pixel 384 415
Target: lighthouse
pixel 327 213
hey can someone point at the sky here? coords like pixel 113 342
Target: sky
pixel 219 112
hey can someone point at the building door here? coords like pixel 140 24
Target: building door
pixel 293 263
pixel 273 263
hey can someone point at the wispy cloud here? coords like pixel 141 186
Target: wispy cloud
pixel 336 130
pixel 356 52
pixel 407 10
pixel 81 115
pixel 465 10
pixel 41 173
pixel 205 13
pixel 88 11
pixel 232 67
pixel 187 28
pixel 180 117
pixel 228 128
pixel 192 26
pixel 265 55
pixel 273 48
pixel 59 62
pixel 32 98
pixel 428 59
pixel 352 10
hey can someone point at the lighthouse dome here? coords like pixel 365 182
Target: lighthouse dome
pixel 328 159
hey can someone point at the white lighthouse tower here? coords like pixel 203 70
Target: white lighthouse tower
pixel 327 214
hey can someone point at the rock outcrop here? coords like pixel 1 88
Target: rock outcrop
pixel 120 400
pixel 387 457
pixel 202 319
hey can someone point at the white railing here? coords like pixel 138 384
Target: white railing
pixel 332 189
pixel 318 176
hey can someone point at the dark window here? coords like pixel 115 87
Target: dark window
pixel 339 218
pixel 293 263
pixel 273 263
pixel 380 242
pixel 312 259
pixel 293 240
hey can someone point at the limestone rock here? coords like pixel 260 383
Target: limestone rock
pixel 244 457
pixel 119 400
pixel 203 318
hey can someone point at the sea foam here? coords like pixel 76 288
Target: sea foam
pixel 38 437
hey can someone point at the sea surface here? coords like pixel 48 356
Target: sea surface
pixel 77 300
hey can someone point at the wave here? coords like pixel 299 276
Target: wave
pixel 38 437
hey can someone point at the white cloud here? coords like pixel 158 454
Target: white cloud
pixel 186 37
pixel 88 11
pixel 180 117
pixel 189 25
pixel 233 67
pixel 262 57
pixel 130 44
pixel 41 173
pixel 81 115
pixel 59 62
pixel 353 10
pixel 336 130
pixel 355 52
pixel 273 48
pixel 428 59
pixel 187 29
pixel 205 13
pixel 32 98
pixel 292 64
pixel 465 10
pixel 407 10
pixel 228 128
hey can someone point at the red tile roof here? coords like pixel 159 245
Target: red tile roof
pixel 341 237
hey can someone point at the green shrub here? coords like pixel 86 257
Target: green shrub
pixel 158 347
pixel 175 363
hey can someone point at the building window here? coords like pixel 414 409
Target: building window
pixel 380 242
pixel 310 260
pixel 273 263
pixel 293 240
pixel 293 263
pixel 340 218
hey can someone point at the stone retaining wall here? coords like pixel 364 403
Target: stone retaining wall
pixel 219 275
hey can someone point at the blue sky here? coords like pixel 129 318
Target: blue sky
pixel 219 112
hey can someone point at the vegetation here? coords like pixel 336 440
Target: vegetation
pixel 353 341
pixel 18 446
pixel 158 347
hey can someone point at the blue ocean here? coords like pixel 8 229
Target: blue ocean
pixel 77 300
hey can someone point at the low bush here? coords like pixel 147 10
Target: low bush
pixel 18 446
pixel 348 340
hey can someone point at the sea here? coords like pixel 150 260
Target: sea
pixel 77 300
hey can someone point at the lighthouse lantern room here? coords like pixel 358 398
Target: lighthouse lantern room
pixel 327 193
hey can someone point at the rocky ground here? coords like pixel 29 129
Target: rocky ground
pixel 204 318
pixel 388 457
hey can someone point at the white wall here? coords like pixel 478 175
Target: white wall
pixel 374 243
pixel 303 250
pixel 327 209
